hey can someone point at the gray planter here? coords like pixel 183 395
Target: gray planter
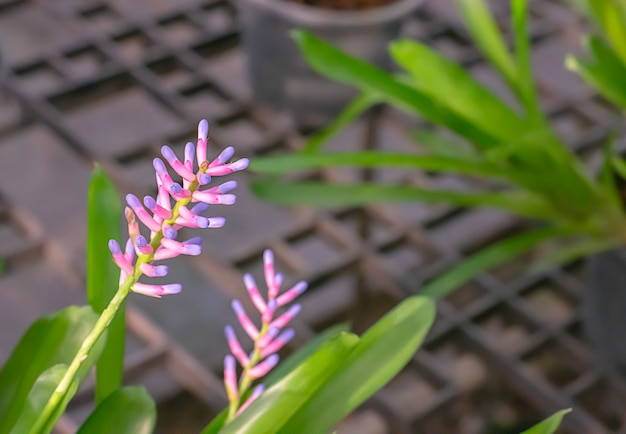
pixel 604 307
pixel 279 74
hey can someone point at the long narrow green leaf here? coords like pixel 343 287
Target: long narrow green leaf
pixel 564 183
pixel 611 16
pixel 50 341
pixel 443 146
pixel 336 64
pixel 285 367
pixel 381 353
pixel 619 165
pixel 103 218
pixel 340 375
pixel 550 425
pixel 352 111
pixel 484 31
pixel 294 162
pixel 453 86
pixel 607 175
pixel 269 413
pixel 326 195
pixel 128 410
pixel 486 259
pixel 603 70
pixel 525 82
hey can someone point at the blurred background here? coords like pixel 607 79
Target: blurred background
pixel 112 81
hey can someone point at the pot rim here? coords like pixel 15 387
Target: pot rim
pixel 313 17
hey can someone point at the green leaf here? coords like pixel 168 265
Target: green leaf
pixel 352 111
pixel 285 367
pixel 50 341
pixel 103 218
pixel 525 82
pixel 383 351
pixel 608 179
pixel 442 146
pixel 603 70
pixel 550 425
pixel 486 259
pixel 484 31
pixel 454 87
pixel 619 165
pixel 563 183
pixel 331 195
pixel 289 163
pixel 277 405
pixel 343 373
pixel 38 397
pixel 336 64
pixel 611 16
pixel 129 410
pixel 304 352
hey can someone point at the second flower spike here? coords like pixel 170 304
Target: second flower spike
pixel 268 337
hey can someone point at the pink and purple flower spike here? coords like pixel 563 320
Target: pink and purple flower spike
pixel 166 214
pixel 268 338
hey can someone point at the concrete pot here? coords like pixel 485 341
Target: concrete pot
pixel 279 75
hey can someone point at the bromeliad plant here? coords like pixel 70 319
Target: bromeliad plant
pixel 534 174
pixel 310 392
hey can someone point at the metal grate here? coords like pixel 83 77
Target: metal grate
pixel 111 81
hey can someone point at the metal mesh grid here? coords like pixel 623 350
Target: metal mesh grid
pixel 111 81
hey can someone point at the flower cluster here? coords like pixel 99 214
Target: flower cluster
pixel 267 339
pixel 170 211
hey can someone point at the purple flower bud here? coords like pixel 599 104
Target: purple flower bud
pixel 278 279
pixel 226 199
pixel 170 233
pixel 217 222
pixel 272 332
pixel 224 156
pixel 226 187
pixel 157 290
pixel 235 346
pixel 264 367
pixel 199 208
pixel 114 247
pixel 291 294
pixel 278 343
pixel 244 320
pixel 240 165
pixel 149 202
pixel 284 319
pixel 203 129
pixel 230 378
pixel 203 178
pixel 190 150
pixel 154 270
pixel 168 154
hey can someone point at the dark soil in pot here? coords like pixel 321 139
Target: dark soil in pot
pixel 344 5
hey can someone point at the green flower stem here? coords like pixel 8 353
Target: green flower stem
pixel 106 317
pixel 89 342
pixel 245 382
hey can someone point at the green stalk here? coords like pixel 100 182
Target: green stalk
pixel 244 385
pixel 106 317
